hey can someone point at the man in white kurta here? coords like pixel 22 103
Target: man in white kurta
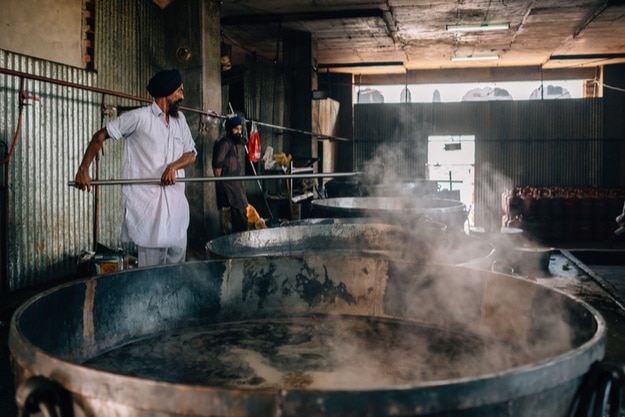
pixel 158 144
pixel 153 216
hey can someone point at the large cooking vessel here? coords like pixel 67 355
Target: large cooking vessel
pixel 304 336
pixel 403 188
pixel 428 242
pixel 348 220
pixel 394 209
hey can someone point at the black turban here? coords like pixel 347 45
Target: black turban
pixel 233 122
pixel 164 83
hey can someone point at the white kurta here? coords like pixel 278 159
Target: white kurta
pixel 154 216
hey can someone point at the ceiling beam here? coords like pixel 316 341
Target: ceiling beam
pixel 249 19
pixel 465 75
pixel 362 64
pixel 586 56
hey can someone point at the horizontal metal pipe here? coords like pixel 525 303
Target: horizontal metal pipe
pixel 305 132
pixel 217 179
pixel 105 91
pixel 72 85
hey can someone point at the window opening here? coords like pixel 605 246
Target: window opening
pixel 460 92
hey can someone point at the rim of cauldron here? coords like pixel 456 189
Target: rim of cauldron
pixel 334 205
pixel 248 243
pixel 426 221
pixel 148 394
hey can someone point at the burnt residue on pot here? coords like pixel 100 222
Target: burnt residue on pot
pixel 308 284
pixel 316 291
pixel 262 283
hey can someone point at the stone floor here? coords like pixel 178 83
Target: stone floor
pixel 593 273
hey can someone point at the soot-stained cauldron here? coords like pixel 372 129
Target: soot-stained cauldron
pixel 294 336
pixel 401 210
pixel 426 242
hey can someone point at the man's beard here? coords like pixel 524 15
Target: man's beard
pixel 237 138
pixel 173 109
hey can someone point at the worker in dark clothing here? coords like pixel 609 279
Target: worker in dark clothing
pixel 620 222
pixel 226 163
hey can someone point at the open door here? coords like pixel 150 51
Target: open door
pixel 451 162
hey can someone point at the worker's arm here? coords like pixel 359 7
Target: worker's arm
pixel 83 180
pixel 169 175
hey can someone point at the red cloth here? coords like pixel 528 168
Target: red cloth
pixel 253 145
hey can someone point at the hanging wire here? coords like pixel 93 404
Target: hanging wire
pixel 490 2
pixel 609 86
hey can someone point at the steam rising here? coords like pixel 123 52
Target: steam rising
pixel 403 325
pixel 503 322
pixel 337 353
pixel 401 313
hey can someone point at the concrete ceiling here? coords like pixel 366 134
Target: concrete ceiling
pixel 368 36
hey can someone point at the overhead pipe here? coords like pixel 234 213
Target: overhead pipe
pixel 209 113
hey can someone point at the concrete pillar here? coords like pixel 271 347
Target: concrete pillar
pixel 193 36
pixel 211 99
pixel 299 58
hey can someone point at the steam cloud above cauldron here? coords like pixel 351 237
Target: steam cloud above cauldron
pixel 385 177
pixel 427 333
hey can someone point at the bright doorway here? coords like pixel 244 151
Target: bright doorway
pixel 451 162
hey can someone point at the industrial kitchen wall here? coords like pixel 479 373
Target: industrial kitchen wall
pixel 263 88
pixel 47 222
pixel 549 142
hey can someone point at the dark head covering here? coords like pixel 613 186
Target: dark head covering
pixel 164 83
pixel 233 122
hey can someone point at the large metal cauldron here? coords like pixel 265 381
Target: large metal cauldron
pixel 395 209
pixel 427 242
pixel 304 336
pixel 403 188
pixel 346 220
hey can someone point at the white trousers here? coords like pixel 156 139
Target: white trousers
pixel 162 256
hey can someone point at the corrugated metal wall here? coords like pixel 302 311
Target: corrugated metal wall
pixel 264 101
pixel 50 223
pixel 540 143
pixel 47 219
pixel 393 135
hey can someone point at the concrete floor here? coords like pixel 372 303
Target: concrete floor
pixel 594 273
